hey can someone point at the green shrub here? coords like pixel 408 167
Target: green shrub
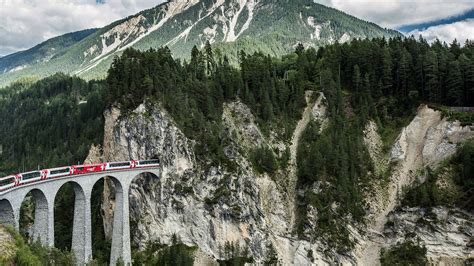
pixel 263 160
pixel 159 254
pixel 406 253
pixel 35 254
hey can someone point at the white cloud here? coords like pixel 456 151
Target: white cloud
pixel 25 23
pixel 397 13
pixel 460 30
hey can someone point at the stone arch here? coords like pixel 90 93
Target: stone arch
pixel 7 216
pixel 78 221
pixel 143 178
pixel 116 192
pixel 42 216
pixel 140 185
pixel 113 188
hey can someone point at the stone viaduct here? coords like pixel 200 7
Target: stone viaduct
pixel 44 194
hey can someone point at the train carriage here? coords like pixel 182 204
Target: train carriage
pixel 89 168
pixel 30 177
pixel 7 182
pixel 147 163
pixel 120 165
pixel 58 172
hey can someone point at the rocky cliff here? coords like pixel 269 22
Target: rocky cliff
pixel 204 206
pixel 446 233
pixel 428 140
pixel 209 206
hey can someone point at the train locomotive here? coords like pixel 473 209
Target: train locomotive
pixel 12 181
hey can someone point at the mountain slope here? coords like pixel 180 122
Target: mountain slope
pixel 42 52
pixel 274 27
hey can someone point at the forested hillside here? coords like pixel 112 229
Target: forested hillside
pixel 54 121
pixel 51 122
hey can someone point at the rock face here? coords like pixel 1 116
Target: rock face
pixel 204 206
pixel 446 233
pixel 426 141
pixel 208 206
pixel 374 145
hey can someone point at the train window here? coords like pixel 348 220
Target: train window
pixel 7 181
pixel 120 164
pixel 149 162
pixel 80 168
pixel 59 171
pixel 31 175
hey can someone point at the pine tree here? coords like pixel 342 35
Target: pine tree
pixel 467 69
pixel 210 61
pixel 455 84
pixel 432 78
pixel 403 72
pixel 356 80
pixel 455 48
pixel 387 66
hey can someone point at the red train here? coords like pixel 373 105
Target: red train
pixel 12 181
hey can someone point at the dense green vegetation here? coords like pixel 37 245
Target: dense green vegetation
pixel 459 169
pixel 404 254
pixel 234 255
pixel 49 123
pixel 64 217
pixel 162 255
pixel 263 160
pixel 101 244
pixel 35 254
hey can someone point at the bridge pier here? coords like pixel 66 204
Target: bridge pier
pixel 81 234
pixel 43 227
pixel 16 211
pixel 121 229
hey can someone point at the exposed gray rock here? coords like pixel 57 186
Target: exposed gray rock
pixel 446 233
pixel 208 206
pixel 426 141
pixel 204 206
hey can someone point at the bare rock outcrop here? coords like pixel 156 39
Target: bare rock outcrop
pixel 209 206
pixel 204 206
pixel 446 233
pixel 426 141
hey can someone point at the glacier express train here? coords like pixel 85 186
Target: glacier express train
pixel 9 182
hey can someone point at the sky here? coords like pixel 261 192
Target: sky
pixel 25 23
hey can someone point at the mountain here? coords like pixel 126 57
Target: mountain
pixel 274 27
pixel 43 52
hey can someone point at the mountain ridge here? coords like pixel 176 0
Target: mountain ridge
pixel 231 25
pixel 43 51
